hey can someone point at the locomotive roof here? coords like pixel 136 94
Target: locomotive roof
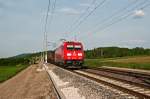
pixel 71 42
pixel 65 42
pixel 77 42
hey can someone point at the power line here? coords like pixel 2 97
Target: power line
pixel 115 13
pixel 45 26
pixel 51 18
pixel 117 18
pixel 45 32
pixel 82 15
pixel 145 6
pixel 52 11
pixel 46 19
pixel 90 13
pixel 79 18
pixel 123 16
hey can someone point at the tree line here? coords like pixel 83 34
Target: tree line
pixel 111 52
pixel 23 59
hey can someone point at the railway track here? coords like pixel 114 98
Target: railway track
pixel 121 76
pixel 69 84
pixel 140 76
pixel 139 90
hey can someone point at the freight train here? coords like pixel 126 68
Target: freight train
pixel 69 53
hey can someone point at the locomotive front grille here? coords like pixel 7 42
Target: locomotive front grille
pixel 74 62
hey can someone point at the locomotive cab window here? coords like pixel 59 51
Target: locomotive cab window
pixel 77 47
pixel 70 47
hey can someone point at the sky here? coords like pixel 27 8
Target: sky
pixel 122 23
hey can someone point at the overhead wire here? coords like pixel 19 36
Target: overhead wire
pixel 79 18
pixel 122 17
pixel 45 45
pixel 82 15
pixel 46 19
pixel 115 14
pixel 45 29
pixel 90 13
pixel 118 18
pixel 52 11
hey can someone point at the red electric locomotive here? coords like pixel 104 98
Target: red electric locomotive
pixel 69 54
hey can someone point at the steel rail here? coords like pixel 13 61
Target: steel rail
pixel 126 90
pixel 144 85
pixel 145 77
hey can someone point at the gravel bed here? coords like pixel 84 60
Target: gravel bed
pixel 85 88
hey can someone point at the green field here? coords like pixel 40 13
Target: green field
pixel 138 62
pixel 7 72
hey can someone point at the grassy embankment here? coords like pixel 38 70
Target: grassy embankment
pixel 12 65
pixel 136 62
pixel 7 72
pixel 9 67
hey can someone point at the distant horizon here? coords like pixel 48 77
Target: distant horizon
pixel 53 50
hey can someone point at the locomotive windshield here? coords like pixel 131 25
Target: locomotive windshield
pixel 70 47
pixel 75 47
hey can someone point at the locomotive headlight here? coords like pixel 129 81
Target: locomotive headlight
pixel 68 54
pixel 79 54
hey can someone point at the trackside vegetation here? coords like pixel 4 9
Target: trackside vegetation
pixel 12 65
pixel 7 72
pixel 136 58
pixel 116 62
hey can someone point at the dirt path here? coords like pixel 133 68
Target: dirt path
pixel 28 84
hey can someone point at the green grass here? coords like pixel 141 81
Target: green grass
pixel 7 72
pixel 94 63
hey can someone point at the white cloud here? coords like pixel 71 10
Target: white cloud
pixel 70 11
pixel 139 13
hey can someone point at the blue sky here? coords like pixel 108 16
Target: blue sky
pixel 22 22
